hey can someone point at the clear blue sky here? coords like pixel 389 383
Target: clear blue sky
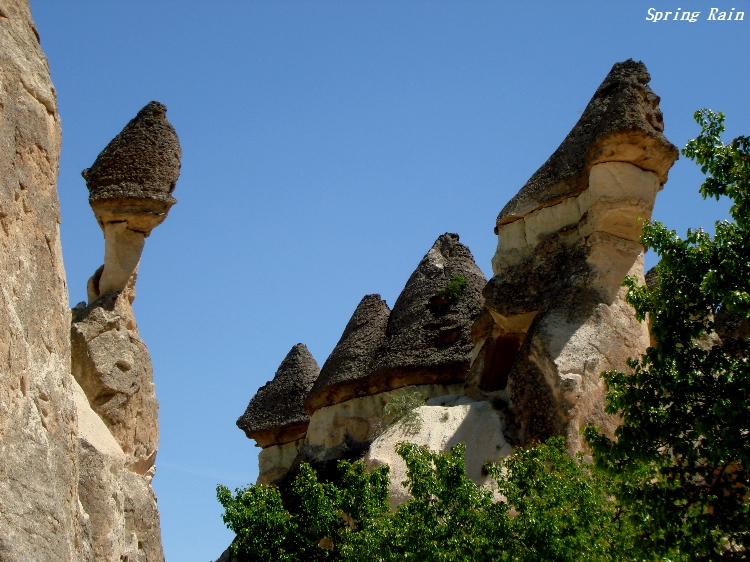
pixel 325 146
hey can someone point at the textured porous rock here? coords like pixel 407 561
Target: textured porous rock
pixel 113 366
pixel 141 162
pixel 428 337
pixel 444 423
pixel 39 517
pixel 130 191
pixel 352 358
pixel 622 123
pixel 276 413
pixel 565 243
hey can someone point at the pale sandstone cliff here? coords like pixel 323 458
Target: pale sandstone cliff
pixel 39 514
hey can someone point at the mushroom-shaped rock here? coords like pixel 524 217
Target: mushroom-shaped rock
pixel 142 162
pixel 130 191
pixel 428 338
pixel 622 123
pixel 351 361
pixel 276 414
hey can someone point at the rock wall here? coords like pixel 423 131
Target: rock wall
pixel 39 515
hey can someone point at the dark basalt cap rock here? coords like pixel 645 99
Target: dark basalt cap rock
pixel 621 123
pixel 352 358
pixel 142 162
pixel 276 415
pixel 428 338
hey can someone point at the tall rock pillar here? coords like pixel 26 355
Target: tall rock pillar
pixel 565 243
pixel 130 186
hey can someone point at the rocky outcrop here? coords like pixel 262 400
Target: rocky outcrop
pixel 519 358
pixel 39 516
pixel 113 367
pixel 443 422
pixel 565 243
pixel 351 361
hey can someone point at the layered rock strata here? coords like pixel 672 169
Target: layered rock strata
pixel 565 243
pixel 276 417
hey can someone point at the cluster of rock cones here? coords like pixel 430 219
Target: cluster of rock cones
pixel 531 342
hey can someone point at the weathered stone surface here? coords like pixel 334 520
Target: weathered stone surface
pixel 345 431
pixel 622 122
pixel 360 419
pixel 275 461
pixel 141 162
pixel 445 422
pixel 352 358
pixel 38 493
pixel 565 243
pixel 113 367
pixel 428 338
pixel 117 508
pixel 276 413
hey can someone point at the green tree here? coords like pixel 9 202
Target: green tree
pixel 682 453
pixel 555 509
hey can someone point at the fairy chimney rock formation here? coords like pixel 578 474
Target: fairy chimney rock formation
pixel 565 243
pixel 351 361
pixel 276 414
pixel 428 338
pixel 130 190
pixel 130 186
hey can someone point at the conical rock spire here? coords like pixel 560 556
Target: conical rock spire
pixel 352 358
pixel 428 339
pixel 276 415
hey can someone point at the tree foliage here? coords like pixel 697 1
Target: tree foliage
pixel 555 508
pixel 682 453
